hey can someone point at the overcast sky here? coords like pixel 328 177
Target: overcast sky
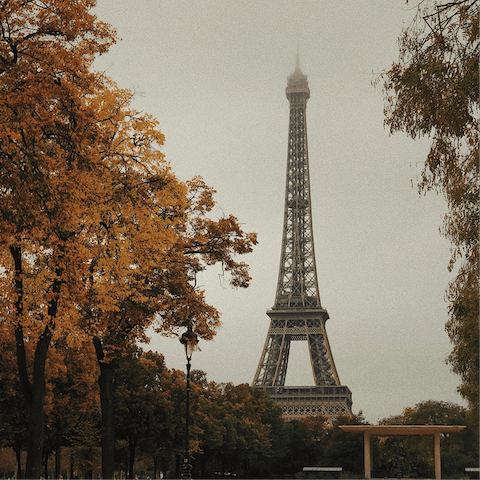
pixel 214 72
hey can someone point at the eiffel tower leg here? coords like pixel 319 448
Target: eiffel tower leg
pixel 323 366
pixel 273 362
pixel 283 361
pixel 322 371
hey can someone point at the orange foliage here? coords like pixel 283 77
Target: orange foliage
pixel 98 238
pixel 105 229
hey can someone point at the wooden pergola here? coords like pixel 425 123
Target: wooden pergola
pixel 389 430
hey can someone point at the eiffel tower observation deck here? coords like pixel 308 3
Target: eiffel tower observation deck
pixel 297 314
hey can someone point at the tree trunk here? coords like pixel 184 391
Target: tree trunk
pixel 37 424
pixel 34 394
pixel 105 381
pixel 58 454
pixel 155 467
pixel 178 460
pixel 203 465
pixel 18 455
pixel 132 444
pixel 45 467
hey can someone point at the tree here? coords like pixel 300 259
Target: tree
pixel 13 408
pixel 342 448
pixel 248 437
pixel 46 50
pixel 98 237
pixel 210 422
pixel 300 448
pixel 232 429
pixel 72 397
pixel 416 453
pixel 146 249
pixel 149 243
pixel 141 405
pixel 433 90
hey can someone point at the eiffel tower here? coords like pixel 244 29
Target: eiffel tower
pixel 298 314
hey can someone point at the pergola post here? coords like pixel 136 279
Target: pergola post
pixel 367 454
pixel 436 455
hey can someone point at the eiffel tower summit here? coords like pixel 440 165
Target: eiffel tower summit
pixel 298 314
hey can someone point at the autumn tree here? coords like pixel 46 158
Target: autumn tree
pixel 433 90
pixel 99 238
pixel 247 439
pixel 46 140
pixel 237 429
pixel 152 235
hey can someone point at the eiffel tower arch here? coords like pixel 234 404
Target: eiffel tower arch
pixel 297 314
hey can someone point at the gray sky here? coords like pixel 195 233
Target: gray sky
pixel 213 72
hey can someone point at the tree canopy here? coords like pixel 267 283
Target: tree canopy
pixel 98 238
pixel 433 90
pixel 415 453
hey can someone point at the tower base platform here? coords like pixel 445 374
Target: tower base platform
pixel 299 402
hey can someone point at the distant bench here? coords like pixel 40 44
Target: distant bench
pixel 322 469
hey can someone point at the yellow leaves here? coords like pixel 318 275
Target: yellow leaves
pixel 219 241
pixel 432 78
pixel 200 196
pixel 108 233
pixel 50 28
pixel 434 90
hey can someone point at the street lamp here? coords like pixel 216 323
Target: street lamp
pixel 189 340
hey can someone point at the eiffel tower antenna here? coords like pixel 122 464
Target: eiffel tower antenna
pixel 297 314
pixel 298 57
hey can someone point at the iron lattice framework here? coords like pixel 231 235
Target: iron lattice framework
pixel 297 313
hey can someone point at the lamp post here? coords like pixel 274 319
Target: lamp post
pixel 189 340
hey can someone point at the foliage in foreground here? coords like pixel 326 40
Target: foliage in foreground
pixel 237 430
pixel 433 90
pixel 98 238
pixel 414 455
